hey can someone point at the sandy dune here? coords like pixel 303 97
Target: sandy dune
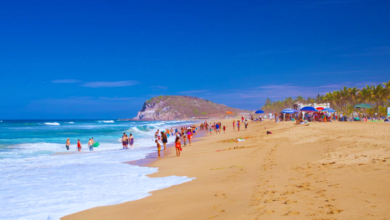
pixel 338 170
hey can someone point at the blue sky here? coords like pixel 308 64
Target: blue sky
pixel 103 59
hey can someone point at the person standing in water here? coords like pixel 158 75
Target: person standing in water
pixel 67 144
pixel 164 139
pixel 79 145
pixel 178 146
pixel 90 143
pixel 131 140
pixel 124 140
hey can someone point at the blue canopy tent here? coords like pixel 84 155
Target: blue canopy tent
pixel 289 111
pixel 259 112
pixel 308 109
pixel 328 110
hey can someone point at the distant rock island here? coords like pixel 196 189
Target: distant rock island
pixel 183 107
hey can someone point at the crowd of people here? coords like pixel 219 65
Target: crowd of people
pixel 182 135
pixel 90 144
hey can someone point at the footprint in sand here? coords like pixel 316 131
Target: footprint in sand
pixel 335 211
pixel 289 202
pixel 291 213
pixel 269 211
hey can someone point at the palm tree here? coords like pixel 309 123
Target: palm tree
pixel 378 93
pixel 353 93
pixel 363 95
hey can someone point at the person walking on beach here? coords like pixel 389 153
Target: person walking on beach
pixel 211 129
pixel 67 144
pixel 158 148
pixel 216 128
pixel 78 145
pixel 246 124
pixel 184 139
pixel 224 129
pixel 164 139
pixel 234 124
pixel 90 144
pixel 178 146
pixel 238 125
pixel 189 133
pixel 131 138
pixel 242 118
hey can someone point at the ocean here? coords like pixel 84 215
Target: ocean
pixel 40 179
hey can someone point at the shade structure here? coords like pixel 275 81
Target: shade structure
pixel 320 108
pixel 362 105
pixel 259 111
pixel 288 111
pixel 328 110
pixel 308 109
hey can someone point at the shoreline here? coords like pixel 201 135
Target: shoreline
pixel 325 170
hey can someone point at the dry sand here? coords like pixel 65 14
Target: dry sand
pixel 338 170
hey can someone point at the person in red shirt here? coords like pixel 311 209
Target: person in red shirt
pixel 79 145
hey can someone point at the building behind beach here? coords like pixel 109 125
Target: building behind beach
pixel 318 106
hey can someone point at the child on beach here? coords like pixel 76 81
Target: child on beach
pixel 178 146
pixel 211 129
pixel 224 128
pixel 234 124
pixel 238 125
pixel 79 144
pixel 158 148
pixel 246 124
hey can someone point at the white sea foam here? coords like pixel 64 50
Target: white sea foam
pixel 51 186
pixel 108 121
pixel 52 123
pixel 71 122
pixel 46 181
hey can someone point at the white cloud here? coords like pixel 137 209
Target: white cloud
pixel 110 84
pixel 66 81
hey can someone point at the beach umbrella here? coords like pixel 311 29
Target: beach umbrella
pixel 362 105
pixel 328 110
pixel 288 110
pixel 259 112
pixel 308 109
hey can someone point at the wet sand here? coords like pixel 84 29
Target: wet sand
pixel 338 170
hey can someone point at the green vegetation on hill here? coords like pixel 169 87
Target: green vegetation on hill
pixel 179 107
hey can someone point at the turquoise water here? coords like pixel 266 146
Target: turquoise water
pixel 40 179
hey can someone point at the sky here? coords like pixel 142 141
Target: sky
pixel 104 59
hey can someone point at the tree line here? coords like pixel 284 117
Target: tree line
pixel 343 100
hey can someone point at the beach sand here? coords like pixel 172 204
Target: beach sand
pixel 338 170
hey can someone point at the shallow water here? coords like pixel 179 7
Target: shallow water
pixel 40 179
